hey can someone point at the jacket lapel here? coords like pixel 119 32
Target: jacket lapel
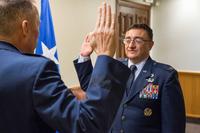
pixel 141 80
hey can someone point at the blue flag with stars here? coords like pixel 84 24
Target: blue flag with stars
pixel 46 41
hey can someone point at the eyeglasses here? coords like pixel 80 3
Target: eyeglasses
pixel 137 40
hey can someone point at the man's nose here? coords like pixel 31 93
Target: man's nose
pixel 132 43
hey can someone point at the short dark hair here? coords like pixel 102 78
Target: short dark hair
pixel 144 27
pixel 12 12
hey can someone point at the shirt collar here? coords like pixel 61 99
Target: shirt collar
pixel 138 65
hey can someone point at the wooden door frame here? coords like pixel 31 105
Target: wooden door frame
pixel 131 4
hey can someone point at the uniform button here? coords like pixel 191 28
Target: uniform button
pixel 121 131
pixel 123 117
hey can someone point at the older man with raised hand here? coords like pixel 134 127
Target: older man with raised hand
pixel 33 98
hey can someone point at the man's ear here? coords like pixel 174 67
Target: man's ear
pixel 151 45
pixel 25 27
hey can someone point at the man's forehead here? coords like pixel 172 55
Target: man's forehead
pixel 133 32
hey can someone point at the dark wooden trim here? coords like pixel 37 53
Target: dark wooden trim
pixel 195 120
pixel 133 4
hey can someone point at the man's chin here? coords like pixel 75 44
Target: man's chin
pixel 131 56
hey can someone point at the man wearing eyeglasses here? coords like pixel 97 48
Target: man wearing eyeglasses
pixel 153 102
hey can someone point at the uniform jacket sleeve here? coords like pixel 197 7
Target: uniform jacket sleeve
pixel 84 71
pixel 57 106
pixel 172 106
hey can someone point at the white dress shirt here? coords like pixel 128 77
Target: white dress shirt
pixel 139 66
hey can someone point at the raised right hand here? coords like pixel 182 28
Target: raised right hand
pixel 104 32
pixel 86 48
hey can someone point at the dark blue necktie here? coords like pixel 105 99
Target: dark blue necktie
pixel 133 69
pixel 131 79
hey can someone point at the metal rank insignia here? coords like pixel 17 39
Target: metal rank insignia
pixel 150 91
pixel 148 112
pixel 151 78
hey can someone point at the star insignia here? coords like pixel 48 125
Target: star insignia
pixel 49 53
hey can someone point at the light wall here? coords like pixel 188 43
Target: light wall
pixel 177 33
pixel 73 19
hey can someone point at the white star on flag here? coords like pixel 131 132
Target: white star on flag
pixel 49 53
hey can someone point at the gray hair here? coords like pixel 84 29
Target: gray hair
pixel 12 12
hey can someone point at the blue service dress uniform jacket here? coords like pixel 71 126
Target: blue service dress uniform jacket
pixel 34 99
pixel 154 103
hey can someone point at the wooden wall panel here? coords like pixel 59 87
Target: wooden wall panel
pixel 190 83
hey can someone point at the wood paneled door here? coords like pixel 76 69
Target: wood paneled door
pixel 129 13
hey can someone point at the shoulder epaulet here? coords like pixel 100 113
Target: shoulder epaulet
pixel 163 66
